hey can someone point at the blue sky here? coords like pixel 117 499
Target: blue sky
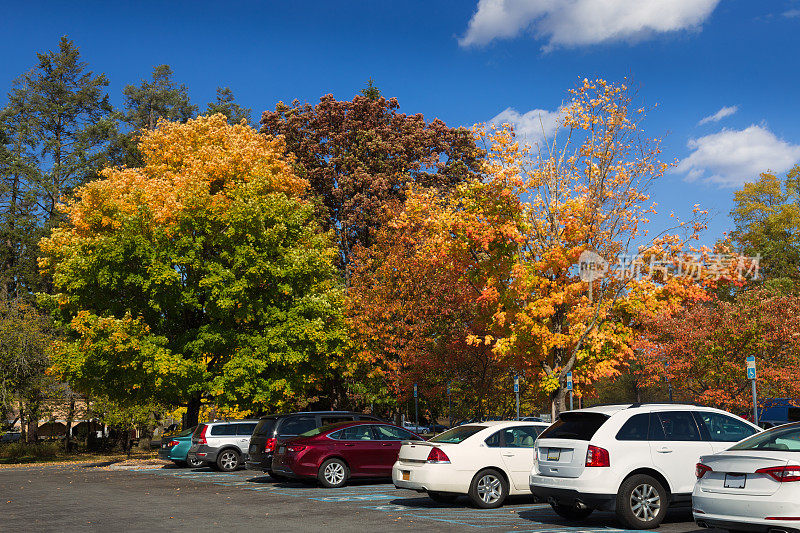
pixel 733 61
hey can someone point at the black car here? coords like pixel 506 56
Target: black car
pixel 273 430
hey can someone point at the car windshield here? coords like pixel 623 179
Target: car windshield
pixel 781 438
pixel 322 429
pixel 456 435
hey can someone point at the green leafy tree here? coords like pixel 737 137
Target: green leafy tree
pixel 226 104
pixel 767 223
pixel 197 279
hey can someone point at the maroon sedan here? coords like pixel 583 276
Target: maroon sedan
pixel 335 453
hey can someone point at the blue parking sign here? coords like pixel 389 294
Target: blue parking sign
pixel 516 384
pixel 569 380
pixel 751 367
pixel 415 390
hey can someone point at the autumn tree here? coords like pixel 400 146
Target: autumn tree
pixel 198 277
pixel 360 156
pixel 766 216
pixel 702 348
pixel 226 104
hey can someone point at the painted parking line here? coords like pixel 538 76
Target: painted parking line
pixel 533 518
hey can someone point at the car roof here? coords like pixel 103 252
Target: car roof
pixel 238 420
pixel 280 415
pixel 503 423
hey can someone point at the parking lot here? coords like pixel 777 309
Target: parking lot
pixel 143 499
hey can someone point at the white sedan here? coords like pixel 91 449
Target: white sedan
pixel 486 461
pixel 753 486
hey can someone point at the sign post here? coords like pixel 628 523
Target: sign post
pixel 751 375
pixel 516 392
pixel 569 388
pixel 449 407
pixel 416 407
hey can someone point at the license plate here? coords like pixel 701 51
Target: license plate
pixel 406 475
pixel 553 454
pixel 735 481
pixel 281 449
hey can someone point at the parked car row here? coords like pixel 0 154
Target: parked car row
pixel 635 460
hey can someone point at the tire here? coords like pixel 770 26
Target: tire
pixel 570 512
pixel 228 460
pixel 194 463
pixel 642 502
pixel 488 489
pixel 443 497
pixel 333 473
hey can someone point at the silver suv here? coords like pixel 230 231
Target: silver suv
pixel 223 444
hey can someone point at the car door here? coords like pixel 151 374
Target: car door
pixel 722 431
pixel 359 448
pixel 390 438
pixel 675 447
pixel 516 448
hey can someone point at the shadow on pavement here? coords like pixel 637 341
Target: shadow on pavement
pixel 599 519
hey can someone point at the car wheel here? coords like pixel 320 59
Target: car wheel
pixel 333 473
pixel 443 497
pixel 228 460
pixel 641 502
pixel 194 463
pixel 488 489
pixel 571 512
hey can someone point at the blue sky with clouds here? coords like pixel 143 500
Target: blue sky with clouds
pixel 723 73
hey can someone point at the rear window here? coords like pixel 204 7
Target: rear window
pixel 321 429
pixel 457 435
pixel 265 426
pixel 577 426
pixel 782 438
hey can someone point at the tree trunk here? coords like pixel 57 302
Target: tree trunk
pixel 70 416
pixel 558 402
pixel 192 411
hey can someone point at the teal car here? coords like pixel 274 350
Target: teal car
pixel 176 447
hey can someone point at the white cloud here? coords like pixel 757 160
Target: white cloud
pixel 719 115
pixel 582 22
pixel 732 157
pixel 792 13
pixel 533 127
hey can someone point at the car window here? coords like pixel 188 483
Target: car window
pixel 457 434
pixel 246 429
pixel 635 428
pixel 575 425
pixel 674 426
pixel 265 426
pixel 393 433
pixel 363 432
pixel 520 437
pixel 333 419
pixel 223 430
pixel 495 440
pixel 781 438
pixel 296 425
pixel 722 428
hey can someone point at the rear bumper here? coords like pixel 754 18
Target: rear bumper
pixel 603 502
pixel 732 525
pixel 262 463
pixel 739 512
pixel 203 453
pixel 431 477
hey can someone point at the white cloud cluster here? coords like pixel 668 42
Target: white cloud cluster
pixel 732 157
pixel 565 23
pixel 719 115
pixel 537 126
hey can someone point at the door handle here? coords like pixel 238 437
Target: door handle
pixel 386 444
pixel 349 444
pixel 508 455
pixel 664 450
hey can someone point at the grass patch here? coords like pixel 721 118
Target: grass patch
pixel 49 452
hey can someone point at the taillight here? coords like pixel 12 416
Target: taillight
pixel 203 435
pixel 781 473
pixel 438 456
pixel 173 443
pixel 269 446
pixel 296 448
pixel 700 470
pixel 597 457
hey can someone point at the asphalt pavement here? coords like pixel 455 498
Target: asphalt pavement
pixel 91 498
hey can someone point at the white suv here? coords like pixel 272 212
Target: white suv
pixel 634 459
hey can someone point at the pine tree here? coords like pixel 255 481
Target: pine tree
pixel 226 105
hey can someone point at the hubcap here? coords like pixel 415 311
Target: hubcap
pixel 334 473
pixel 490 489
pixel 645 502
pixel 195 462
pixel 228 461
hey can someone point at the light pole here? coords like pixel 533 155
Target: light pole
pixel 751 375
pixel 569 388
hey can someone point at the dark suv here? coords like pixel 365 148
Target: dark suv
pixel 275 429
